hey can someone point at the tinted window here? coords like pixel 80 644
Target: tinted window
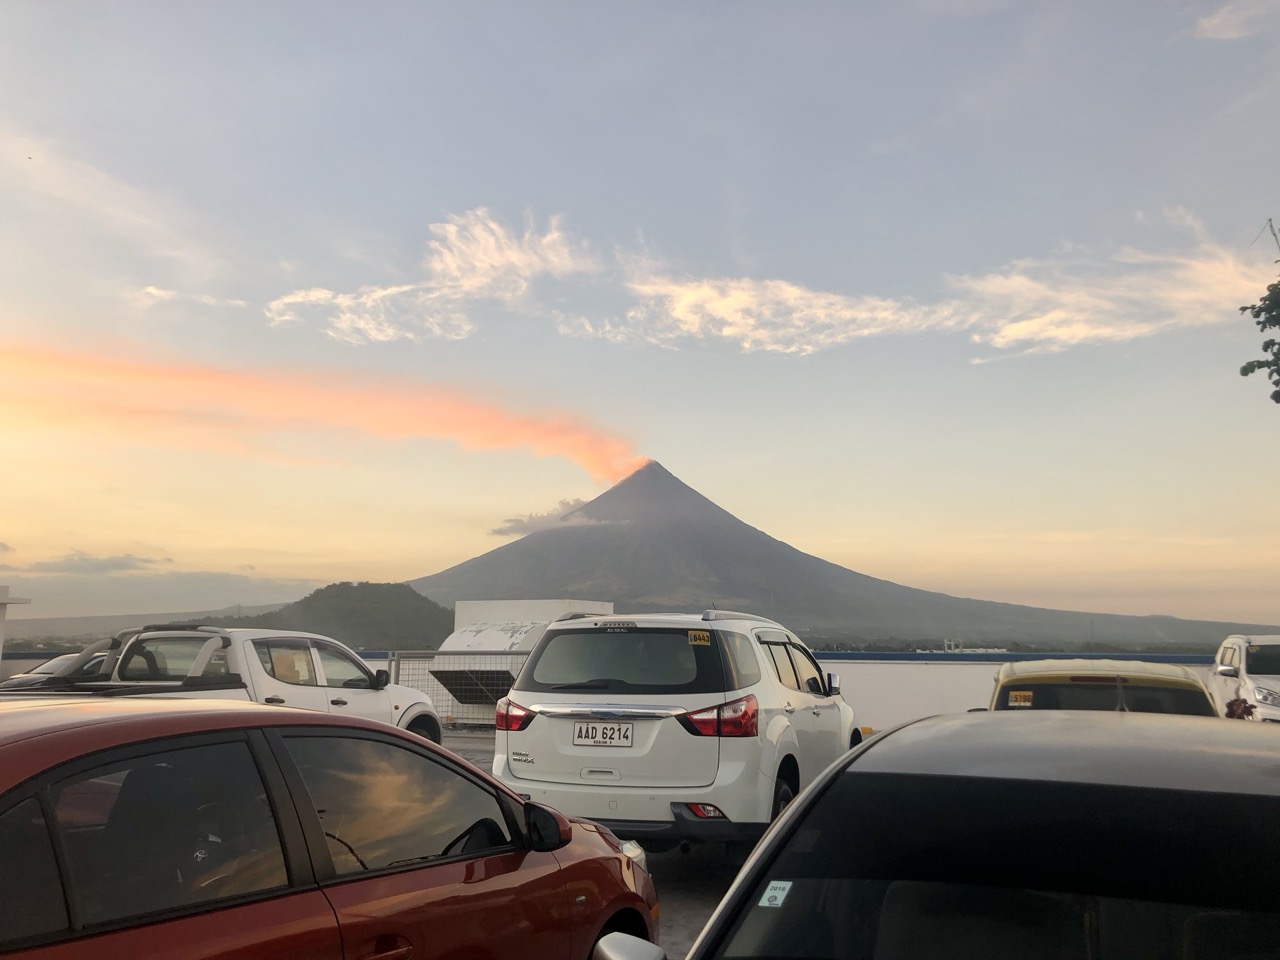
pixel 340 670
pixel 289 661
pixel 639 661
pixel 1262 660
pixel 807 670
pixel 167 830
pixel 385 806
pixel 1136 698
pixel 891 866
pixel 31 903
pixel 744 668
pixel 782 665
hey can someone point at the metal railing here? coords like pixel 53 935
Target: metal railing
pixel 464 686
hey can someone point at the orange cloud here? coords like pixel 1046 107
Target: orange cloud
pixel 223 409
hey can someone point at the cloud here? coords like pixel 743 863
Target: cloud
pixel 471 258
pixel 5 548
pixel 218 410
pixel 78 562
pixel 529 522
pixel 150 296
pixel 1234 21
pixel 46 170
pixel 1079 296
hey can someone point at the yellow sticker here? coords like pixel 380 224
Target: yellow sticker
pixel 699 638
pixel 1019 698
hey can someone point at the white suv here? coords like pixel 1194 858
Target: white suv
pixel 670 727
pixel 1248 668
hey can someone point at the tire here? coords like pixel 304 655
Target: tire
pixel 782 797
pixel 426 728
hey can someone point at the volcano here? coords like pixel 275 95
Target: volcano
pixel 652 543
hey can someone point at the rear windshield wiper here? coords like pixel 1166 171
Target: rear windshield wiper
pixel 590 685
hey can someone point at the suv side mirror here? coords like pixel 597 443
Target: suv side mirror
pixel 381 678
pixel 1227 670
pixel 833 684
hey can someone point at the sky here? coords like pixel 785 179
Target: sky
pixel 944 291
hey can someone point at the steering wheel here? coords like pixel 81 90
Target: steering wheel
pixel 219 846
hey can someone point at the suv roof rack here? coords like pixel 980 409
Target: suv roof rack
pixel 580 616
pixel 202 627
pixel 735 615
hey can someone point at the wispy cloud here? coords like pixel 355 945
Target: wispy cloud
pixel 1235 20
pixel 5 548
pixel 529 522
pixel 1033 305
pixel 78 562
pixel 150 296
pixel 38 169
pixel 471 258
pixel 223 410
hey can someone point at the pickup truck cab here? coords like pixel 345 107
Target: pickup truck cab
pixel 280 667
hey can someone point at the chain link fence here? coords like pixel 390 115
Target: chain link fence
pixel 465 686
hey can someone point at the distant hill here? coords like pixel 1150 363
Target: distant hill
pixel 653 543
pixel 370 616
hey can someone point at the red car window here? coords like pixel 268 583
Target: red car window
pixel 32 904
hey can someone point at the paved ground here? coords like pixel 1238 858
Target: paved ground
pixel 689 884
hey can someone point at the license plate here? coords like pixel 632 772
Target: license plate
pixel 587 734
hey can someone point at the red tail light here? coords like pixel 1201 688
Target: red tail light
pixel 511 716
pixel 737 718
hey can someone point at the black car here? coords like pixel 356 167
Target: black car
pixel 1071 835
pixel 55 672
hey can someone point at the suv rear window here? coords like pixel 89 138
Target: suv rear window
pixel 639 660
pixel 1016 695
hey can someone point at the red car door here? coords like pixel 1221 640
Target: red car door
pixel 425 862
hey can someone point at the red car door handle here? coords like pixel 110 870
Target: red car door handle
pixel 389 948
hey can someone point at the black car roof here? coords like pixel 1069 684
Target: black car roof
pixel 1082 746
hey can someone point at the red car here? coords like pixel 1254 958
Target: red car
pixel 191 829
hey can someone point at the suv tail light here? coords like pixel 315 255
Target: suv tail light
pixel 737 718
pixel 511 716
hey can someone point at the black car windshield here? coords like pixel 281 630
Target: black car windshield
pixel 1262 660
pixel 633 660
pixel 1105 695
pixel 888 866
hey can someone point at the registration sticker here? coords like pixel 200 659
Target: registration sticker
pixel 1020 698
pixel 699 638
pixel 775 893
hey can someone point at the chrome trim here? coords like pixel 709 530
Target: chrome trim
pixel 606 711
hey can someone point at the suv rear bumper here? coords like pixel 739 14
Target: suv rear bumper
pixel 684 826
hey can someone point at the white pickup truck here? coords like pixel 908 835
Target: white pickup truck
pixel 284 667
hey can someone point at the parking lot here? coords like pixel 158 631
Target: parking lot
pixel 689 884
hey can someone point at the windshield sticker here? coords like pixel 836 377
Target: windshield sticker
pixel 775 893
pixel 1019 698
pixel 1254 648
pixel 699 638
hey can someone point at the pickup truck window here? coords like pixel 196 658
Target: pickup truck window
pixel 32 904
pixel 289 661
pixel 167 830
pixel 160 658
pixel 340 670
pixel 384 806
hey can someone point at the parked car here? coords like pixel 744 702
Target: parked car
pixel 669 728
pixel 52 672
pixel 178 829
pixel 1125 685
pixel 279 667
pixel 1005 836
pixel 1248 668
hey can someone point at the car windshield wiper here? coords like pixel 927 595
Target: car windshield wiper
pixel 589 685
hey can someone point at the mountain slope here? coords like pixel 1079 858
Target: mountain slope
pixel 651 543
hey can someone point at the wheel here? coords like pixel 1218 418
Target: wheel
pixel 426 728
pixel 782 797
